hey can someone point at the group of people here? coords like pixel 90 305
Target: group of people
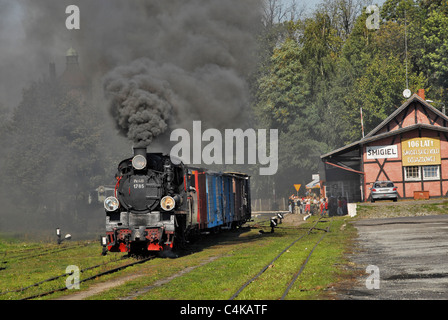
pixel 314 206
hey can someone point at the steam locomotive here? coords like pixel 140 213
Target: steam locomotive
pixel 158 205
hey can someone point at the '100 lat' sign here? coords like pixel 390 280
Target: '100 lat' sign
pixel 420 151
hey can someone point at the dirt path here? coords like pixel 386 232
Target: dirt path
pixel 100 287
pixel 294 219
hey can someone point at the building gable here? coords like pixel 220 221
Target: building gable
pixel 414 111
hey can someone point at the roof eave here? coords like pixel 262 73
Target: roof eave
pixel 366 139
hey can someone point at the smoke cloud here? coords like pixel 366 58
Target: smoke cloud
pixel 148 98
pixel 153 65
pixel 194 36
pixel 199 56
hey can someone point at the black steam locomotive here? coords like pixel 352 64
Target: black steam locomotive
pixel 158 204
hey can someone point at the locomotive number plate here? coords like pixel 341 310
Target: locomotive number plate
pixel 139 183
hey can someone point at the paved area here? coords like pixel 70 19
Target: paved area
pixel 408 254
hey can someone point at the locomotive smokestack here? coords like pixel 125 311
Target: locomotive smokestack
pixel 140 151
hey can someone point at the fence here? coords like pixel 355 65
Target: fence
pixel 280 204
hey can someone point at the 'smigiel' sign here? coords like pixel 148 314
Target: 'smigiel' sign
pixel 420 151
pixel 382 152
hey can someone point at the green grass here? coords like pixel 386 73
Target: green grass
pixel 221 278
pixel 27 264
pixel 221 264
pixel 402 208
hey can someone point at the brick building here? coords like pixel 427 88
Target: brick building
pixel 409 148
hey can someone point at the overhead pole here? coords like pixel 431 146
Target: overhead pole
pixel 406 47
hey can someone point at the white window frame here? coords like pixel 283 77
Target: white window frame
pixel 437 177
pixel 407 178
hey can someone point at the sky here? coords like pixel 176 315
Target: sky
pixel 311 4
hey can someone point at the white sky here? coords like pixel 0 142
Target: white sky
pixel 311 4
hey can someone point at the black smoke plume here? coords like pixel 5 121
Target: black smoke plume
pixel 162 65
pixel 199 56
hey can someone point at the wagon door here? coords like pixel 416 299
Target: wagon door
pixel 219 200
pixel 210 200
pixel 227 200
pixel 201 191
pixel 238 198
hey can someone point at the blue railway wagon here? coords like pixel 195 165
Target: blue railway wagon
pixel 228 200
pixel 214 200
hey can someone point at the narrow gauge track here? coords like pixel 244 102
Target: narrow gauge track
pixel 299 272
pixel 41 253
pixel 100 274
pixel 59 276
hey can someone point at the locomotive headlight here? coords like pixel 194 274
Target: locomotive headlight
pixel 139 162
pixel 168 203
pixel 111 204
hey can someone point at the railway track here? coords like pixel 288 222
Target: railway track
pixel 49 286
pixel 302 267
pixel 63 288
pixel 30 253
pixel 95 276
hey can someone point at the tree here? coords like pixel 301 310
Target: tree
pixel 343 14
pixel 435 50
pixel 330 65
pixel 54 159
pixel 427 34
pixel 283 90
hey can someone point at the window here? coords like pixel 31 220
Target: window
pixel 431 172
pixel 412 173
pixel 416 172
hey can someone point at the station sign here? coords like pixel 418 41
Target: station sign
pixel 420 151
pixel 382 152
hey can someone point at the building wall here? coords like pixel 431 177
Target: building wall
pixel 392 168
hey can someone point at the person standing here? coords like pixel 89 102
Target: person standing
pixel 291 204
pixel 299 205
pixel 298 208
pixel 323 206
pixel 340 211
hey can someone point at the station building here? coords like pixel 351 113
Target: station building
pixel 409 148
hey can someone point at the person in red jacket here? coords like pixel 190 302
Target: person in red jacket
pixel 323 206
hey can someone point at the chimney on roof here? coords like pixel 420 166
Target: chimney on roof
pixel 421 93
